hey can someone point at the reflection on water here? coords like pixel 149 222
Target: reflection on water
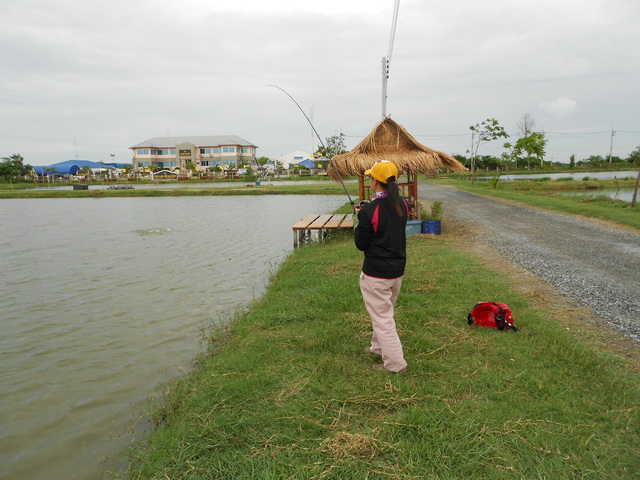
pixel 104 300
pixel 574 175
pixel 191 184
pixel 624 194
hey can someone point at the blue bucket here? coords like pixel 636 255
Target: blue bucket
pixel 413 227
pixel 431 227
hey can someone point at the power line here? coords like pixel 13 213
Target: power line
pixel 577 134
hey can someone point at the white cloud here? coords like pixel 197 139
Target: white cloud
pixel 561 108
pixel 112 74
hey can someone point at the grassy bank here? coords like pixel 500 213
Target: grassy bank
pixel 101 191
pixel 289 393
pixel 548 194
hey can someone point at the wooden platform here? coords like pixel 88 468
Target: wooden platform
pixel 320 223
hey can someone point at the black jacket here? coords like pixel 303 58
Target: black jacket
pixel 381 235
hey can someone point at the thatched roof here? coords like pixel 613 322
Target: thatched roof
pixel 390 141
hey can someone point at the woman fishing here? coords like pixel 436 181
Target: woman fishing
pixel 380 234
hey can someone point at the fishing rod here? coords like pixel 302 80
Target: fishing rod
pixel 321 143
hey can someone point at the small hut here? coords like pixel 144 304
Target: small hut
pixel 390 141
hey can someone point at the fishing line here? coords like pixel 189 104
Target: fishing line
pixel 321 143
pixel 394 23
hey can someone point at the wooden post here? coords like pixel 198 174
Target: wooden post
pixel 635 191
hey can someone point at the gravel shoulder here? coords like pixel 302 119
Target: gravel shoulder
pixel 594 265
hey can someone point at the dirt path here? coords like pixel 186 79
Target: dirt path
pixel 593 265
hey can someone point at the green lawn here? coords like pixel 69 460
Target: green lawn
pixel 287 393
pixel 548 195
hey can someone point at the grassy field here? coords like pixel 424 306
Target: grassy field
pixel 548 195
pixel 101 191
pixel 286 392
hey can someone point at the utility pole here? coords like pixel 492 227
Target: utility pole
pixel 313 150
pixel 385 78
pixel 473 159
pixel 635 191
pixel 541 158
pixel 613 132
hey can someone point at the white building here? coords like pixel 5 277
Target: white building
pixel 206 152
pixel 288 160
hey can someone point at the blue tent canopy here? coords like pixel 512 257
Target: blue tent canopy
pixel 72 167
pixel 306 164
pixel 57 169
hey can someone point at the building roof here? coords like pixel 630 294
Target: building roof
pixel 71 167
pixel 391 141
pixel 295 155
pixel 307 163
pixel 202 141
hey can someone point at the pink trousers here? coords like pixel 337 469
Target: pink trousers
pixel 380 295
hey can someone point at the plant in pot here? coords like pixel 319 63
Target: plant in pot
pixel 431 218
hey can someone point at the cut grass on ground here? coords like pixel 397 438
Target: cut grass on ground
pixel 289 393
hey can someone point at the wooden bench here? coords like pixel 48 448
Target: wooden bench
pixel 320 223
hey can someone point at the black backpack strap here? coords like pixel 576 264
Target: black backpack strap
pixel 470 316
pixel 501 320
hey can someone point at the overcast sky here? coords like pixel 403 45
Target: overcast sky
pixel 89 78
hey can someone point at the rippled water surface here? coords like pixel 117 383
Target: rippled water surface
pixel 104 300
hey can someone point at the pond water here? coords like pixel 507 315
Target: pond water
pixel 575 175
pixel 624 194
pixel 105 300
pixel 194 184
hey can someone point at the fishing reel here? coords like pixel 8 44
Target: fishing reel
pixel 360 204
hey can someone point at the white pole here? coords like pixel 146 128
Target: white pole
pixel 385 76
pixel 613 132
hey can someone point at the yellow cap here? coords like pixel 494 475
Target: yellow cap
pixel 383 171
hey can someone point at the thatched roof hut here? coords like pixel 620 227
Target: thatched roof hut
pixel 390 141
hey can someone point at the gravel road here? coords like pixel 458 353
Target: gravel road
pixel 594 264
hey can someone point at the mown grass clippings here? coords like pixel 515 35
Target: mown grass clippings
pixel 345 445
pixel 291 394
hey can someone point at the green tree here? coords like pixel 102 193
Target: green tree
pixel 634 157
pixel 484 132
pixel 593 160
pixel 86 170
pixel 13 166
pixel 572 162
pixel 525 126
pixel 508 156
pixel 533 145
pixel 335 146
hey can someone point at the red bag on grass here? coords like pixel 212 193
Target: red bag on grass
pixel 491 314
